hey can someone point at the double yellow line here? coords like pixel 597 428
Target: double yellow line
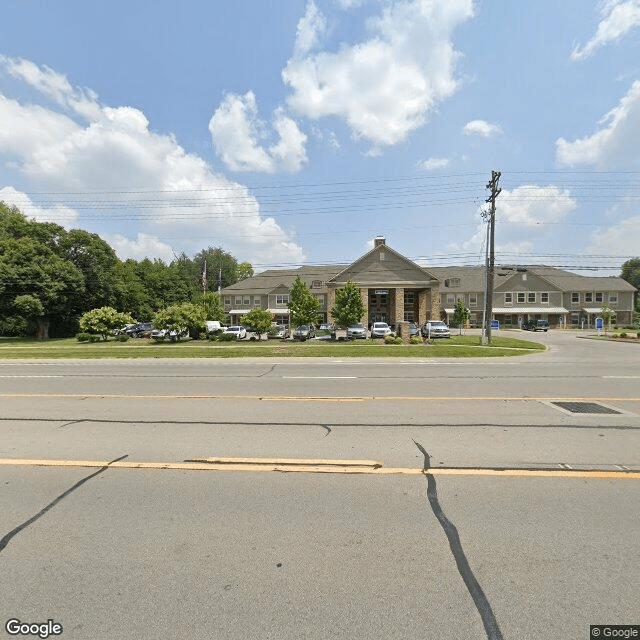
pixel 295 465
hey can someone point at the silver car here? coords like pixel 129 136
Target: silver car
pixel 435 329
pixel 356 332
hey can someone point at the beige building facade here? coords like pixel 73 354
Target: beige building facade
pixel 395 289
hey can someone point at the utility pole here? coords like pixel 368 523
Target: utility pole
pixel 491 214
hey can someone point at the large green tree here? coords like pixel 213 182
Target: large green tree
pixel 39 287
pixel 259 320
pixel 212 304
pixel 349 307
pixel 305 308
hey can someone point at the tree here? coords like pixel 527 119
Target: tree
pixel 460 315
pixel 245 270
pixel 222 267
pixel 349 307
pixel 607 316
pixel 304 306
pixel 103 321
pixel 212 305
pixel 178 317
pixel 259 320
pixel 631 272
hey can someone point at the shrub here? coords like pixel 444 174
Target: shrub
pixel 416 340
pixel 227 337
pixel 623 334
pixel 94 338
pixel 83 337
pixel 389 340
pixel 398 340
pixel 123 337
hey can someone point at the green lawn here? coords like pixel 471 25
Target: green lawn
pixel 456 347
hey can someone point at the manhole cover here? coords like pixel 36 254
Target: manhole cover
pixel 585 407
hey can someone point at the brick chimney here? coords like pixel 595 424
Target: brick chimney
pixel 378 240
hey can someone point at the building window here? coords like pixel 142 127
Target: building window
pixel 575 319
pixel 256 301
pixel 508 298
pixel 599 296
pixel 238 301
pixel 316 284
pixel 382 255
pixel 227 302
pixel 575 298
pixel 544 297
pixel 452 282
pixel 409 298
pixel 282 299
pixel 531 297
pixel 246 302
pixel 588 297
pixel 473 300
pixel 451 298
pixel 408 316
pixel 613 296
pixel 373 298
pixel 520 297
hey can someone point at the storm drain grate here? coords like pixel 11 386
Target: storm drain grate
pixel 585 407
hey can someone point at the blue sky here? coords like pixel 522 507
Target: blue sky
pixel 295 131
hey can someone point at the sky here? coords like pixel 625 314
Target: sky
pixel 293 132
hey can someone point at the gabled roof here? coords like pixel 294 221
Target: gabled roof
pixel 383 268
pixel 266 281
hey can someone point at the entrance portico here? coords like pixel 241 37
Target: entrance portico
pixel 393 288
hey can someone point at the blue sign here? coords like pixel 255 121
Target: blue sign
pixel 495 324
pixel 599 323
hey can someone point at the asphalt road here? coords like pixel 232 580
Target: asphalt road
pixel 112 552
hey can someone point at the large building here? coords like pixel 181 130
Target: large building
pixel 395 289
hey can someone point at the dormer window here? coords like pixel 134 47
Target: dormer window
pixel 452 282
pixel 316 284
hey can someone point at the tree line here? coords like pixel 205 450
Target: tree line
pixel 50 277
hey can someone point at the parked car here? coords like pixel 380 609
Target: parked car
pixel 536 325
pixel 380 330
pixel 435 329
pixel 326 331
pixel 304 332
pixel 140 330
pixel 414 330
pixel 159 334
pixel 238 330
pixel 281 331
pixel 356 332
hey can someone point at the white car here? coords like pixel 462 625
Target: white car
pixel 238 330
pixel 380 330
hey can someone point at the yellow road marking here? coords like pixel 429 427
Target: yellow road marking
pixel 329 468
pixel 291 461
pixel 102 396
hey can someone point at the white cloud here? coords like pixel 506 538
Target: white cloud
pixel 138 177
pixel 618 18
pixel 532 205
pixel 141 247
pixel 481 128
pixel 237 132
pixel 433 164
pixel 622 238
pixel 310 29
pixel 615 144
pixel 386 86
pixel 64 216
pixel 522 215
